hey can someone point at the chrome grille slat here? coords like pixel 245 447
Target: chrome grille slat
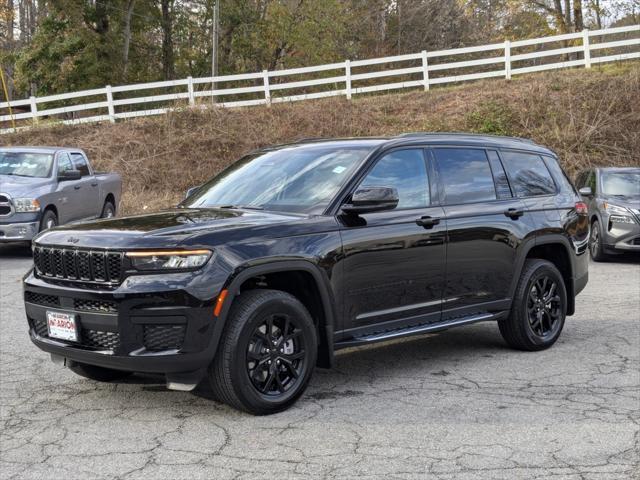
pixel 78 264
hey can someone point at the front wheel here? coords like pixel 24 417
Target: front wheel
pixel 596 249
pixel 267 353
pixel 49 220
pixel 539 308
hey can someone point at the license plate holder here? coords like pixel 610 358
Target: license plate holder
pixel 62 326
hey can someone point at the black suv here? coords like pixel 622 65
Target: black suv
pixel 299 250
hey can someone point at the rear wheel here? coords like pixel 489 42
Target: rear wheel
pixel 99 374
pixel 596 248
pixel 109 210
pixel 49 220
pixel 539 308
pixel 267 353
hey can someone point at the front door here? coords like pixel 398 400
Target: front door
pixel 394 267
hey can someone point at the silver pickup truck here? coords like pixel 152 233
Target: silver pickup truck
pixel 41 187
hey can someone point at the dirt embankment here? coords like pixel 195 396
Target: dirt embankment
pixel 587 117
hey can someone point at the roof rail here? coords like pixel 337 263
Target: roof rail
pixel 464 134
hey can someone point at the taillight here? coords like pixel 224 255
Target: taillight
pixel 581 208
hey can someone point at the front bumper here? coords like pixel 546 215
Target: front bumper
pixel 156 328
pixel 18 232
pixel 622 237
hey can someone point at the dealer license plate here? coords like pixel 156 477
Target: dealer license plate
pixel 62 326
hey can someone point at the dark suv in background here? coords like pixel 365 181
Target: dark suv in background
pixel 299 250
pixel 613 198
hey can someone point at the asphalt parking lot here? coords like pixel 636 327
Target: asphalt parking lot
pixel 455 405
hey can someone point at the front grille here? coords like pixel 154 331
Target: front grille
pixel 5 206
pixel 88 338
pixel 97 339
pixel 41 299
pixel 102 306
pixel 76 264
pixel 163 337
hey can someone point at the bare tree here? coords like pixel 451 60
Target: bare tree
pixel 127 37
pixel 167 39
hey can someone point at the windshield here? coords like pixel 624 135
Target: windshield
pixel 625 184
pixel 291 179
pixel 26 164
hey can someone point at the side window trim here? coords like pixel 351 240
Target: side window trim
pixel 493 173
pixel 512 181
pixel 367 170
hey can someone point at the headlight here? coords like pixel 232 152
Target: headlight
pixel 169 260
pixel 23 205
pixel 618 214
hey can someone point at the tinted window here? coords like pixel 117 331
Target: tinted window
pixel 465 175
pixel 499 177
pixel 406 171
pixel 64 163
pixel 591 181
pixel 528 173
pixel 80 163
pixel 558 174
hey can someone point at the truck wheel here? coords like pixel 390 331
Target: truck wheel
pixel 49 220
pixel 99 374
pixel 596 248
pixel 109 210
pixel 267 353
pixel 539 308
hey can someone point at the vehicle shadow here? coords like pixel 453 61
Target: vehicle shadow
pixel 15 250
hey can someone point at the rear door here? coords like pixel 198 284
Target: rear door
pixel 89 191
pixel 394 267
pixel 485 225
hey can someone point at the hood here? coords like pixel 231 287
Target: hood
pixel 168 228
pixel 23 186
pixel 632 203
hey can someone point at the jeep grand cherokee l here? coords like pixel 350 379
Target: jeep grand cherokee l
pixel 299 250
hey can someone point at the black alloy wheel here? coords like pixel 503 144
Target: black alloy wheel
pixel 276 355
pixel 543 306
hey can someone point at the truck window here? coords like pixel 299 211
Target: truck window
pixel 64 163
pixel 81 164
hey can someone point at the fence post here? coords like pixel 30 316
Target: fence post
pixel 587 48
pixel 507 59
pixel 112 113
pixel 267 93
pixel 192 99
pixel 34 109
pixel 347 76
pixel 425 70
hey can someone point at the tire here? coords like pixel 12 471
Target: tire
pixel 49 220
pixel 99 374
pixel 525 327
pixel 108 210
pixel 249 371
pixel 596 249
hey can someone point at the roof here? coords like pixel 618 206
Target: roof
pixel 434 138
pixel 43 149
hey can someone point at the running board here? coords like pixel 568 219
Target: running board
pixel 417 330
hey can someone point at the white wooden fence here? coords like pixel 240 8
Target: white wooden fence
pixel 348 78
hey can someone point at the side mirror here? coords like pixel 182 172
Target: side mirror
pixel 371 199
pixel 586 192
pixel 69 175
pixel 192 190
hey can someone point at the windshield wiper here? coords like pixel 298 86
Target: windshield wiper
pixel 245 207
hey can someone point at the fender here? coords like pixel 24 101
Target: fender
pixel 321 280
pixel 545 239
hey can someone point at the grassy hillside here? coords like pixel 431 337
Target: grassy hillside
pixel 587 117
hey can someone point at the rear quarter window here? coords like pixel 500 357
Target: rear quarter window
pixel 528 174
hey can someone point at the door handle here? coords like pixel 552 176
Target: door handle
pixel 514 213
pixel 94 184
pixel 76 187
pixel 427 222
